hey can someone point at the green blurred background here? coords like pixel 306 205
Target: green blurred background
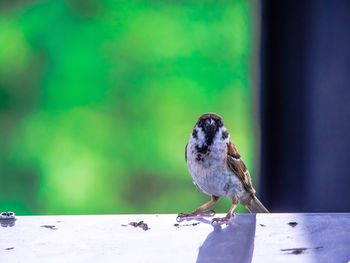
pixel 98 100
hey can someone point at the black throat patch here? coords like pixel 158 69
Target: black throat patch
pixel 209 135
pixel 203 149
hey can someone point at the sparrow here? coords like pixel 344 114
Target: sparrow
pixel 218 169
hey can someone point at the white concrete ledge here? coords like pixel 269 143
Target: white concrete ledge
pixel 110 238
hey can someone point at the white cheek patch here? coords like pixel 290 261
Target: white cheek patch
pixel 201 137
pixel 219 135
pixel 228 137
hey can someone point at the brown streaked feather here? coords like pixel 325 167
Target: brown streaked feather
pixel 236 164
pixel 186 152
pixel 232 150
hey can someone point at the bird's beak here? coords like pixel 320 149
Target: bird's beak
pixel 211 126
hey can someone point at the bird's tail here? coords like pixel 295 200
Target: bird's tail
pixel 255 206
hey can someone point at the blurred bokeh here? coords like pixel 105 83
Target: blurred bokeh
pixel 98 99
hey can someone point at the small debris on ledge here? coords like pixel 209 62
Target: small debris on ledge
pixel 141 224
pixel 193 224
pixel 52 227
pixel 297 251
pixel 293 224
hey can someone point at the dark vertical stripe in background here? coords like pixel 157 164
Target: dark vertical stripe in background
pixel 305 106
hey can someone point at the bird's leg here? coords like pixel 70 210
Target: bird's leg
pixel 229 215
pixel 200 210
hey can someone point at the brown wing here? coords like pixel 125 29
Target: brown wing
pixel 236 164
pixel 186 152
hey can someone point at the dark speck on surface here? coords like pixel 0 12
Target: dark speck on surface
pixel 50 227
pixel 292 224
pixel 9 248
pixel 141 224
pixel 297 251
pixel 193 224
pixel 262 225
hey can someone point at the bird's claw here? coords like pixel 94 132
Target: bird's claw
pixel 223 220
pixel 182 216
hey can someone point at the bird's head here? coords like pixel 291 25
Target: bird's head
pixel 208 126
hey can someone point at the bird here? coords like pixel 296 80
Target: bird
pixel 218 169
